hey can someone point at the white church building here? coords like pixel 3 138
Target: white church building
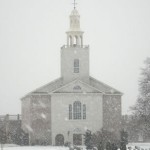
pixel 62 110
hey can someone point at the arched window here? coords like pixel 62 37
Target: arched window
pixel 75 41
pixel 84 111
pixel 81 41
pixel 70 40
pixel 70 112
pixel 77 110
pixel 77 87
pixel 76 65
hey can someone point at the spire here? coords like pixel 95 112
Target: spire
pixel 74 35
pixel 74 20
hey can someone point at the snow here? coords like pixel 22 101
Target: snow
pixel 85 128
pixel 66 119
pixel 43 116
pixel 7 147
pixel 139 146
pixel 42 104
pixel 29 128
pixel 112 91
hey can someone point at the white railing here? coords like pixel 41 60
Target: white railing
pixel 10 117
pixel 75 46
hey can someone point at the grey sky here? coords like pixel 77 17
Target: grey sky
pixel 32 32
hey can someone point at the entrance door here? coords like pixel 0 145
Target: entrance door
pixel 59 140
pixel 77 139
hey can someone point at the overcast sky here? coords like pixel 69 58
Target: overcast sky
pixel 32 32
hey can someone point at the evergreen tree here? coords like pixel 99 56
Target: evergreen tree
pixel 100 146
pixel 124 140
pixel 88 139
pixel 104 139
pixel 108 146
pixel 3 137
pixel 142 106
pixel 114 146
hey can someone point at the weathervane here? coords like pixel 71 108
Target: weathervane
pixel 74 4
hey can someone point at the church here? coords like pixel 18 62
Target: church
pixel 63 110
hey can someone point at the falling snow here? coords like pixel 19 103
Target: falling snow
pixel 29 128
pixel 43 116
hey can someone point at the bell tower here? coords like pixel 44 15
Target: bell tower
pixel 75 35
pixel 75 55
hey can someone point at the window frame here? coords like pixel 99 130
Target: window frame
pixel 84 111
pixel 76 65
pixel 77 114
pixel 70 112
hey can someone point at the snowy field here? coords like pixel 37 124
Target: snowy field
pixel 139 146
pixel 130 146
pixel 12 147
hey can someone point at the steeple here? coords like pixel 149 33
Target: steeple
pixel 74 35
pixel 74 21
pixel 75 55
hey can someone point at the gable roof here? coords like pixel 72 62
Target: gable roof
pixel 77 86
pixel 50 86
pixel 103 87
pixel 57 86
pixel 45 89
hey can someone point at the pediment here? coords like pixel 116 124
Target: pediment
pixel 77 86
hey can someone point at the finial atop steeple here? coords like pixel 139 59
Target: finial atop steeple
pixel 74 4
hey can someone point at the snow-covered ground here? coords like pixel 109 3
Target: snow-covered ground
pixel 13 147
pixel 130 146
pixel 139 146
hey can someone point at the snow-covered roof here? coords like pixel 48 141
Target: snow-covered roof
pixel 58 84
pixel 45 89
pixel 103 87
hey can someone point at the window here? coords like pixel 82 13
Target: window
pixel 70 112
pixel 77 139
pixel 76 65
pixel 84 111
pixel 77 110
pixel 70 40
pixel 75 41
pixel 77 87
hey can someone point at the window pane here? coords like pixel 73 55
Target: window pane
pixel 76 70
pixel 70 111
pixel 84 111
pixel 77 110
pixel 76 63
